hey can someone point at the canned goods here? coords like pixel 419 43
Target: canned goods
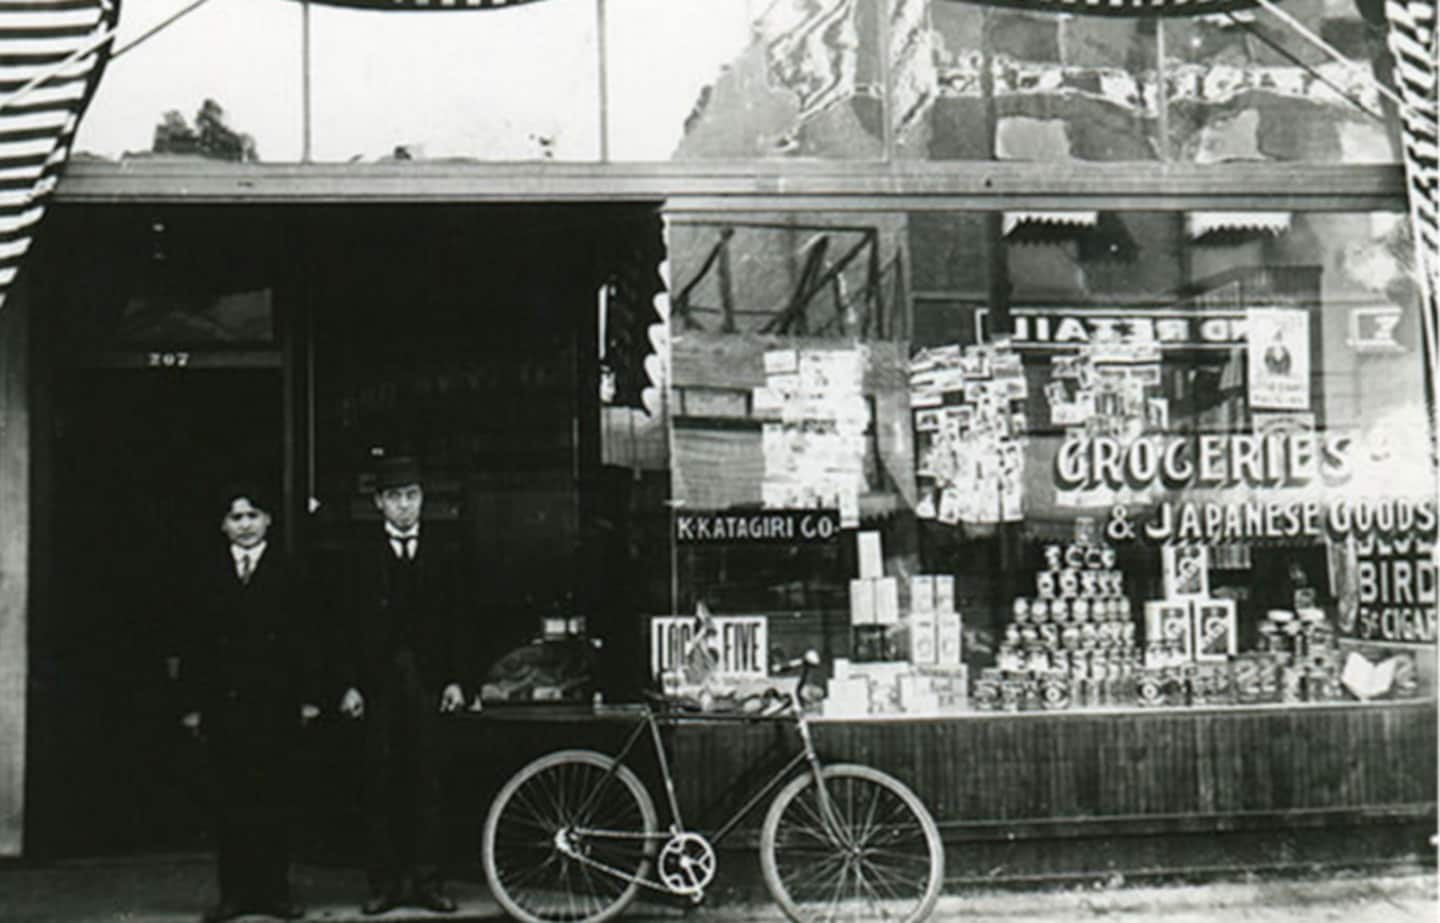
pixel 1030 695
pixel 1020 609
pixel 1149 689
pixel 1055 693
pixel 1012 691
pixel 1054 557
pixel 1069 583
pixel 1292 684
pixel 987 693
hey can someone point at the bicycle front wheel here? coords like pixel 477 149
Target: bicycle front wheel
pixel 874 855
pixel 568 838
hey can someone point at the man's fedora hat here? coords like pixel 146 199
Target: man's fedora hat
pixel 400 471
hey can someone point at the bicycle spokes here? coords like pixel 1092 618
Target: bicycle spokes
pixel 568 839
pixel 860 848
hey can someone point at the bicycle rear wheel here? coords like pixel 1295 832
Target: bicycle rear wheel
pixel 543 805
pixel 878 857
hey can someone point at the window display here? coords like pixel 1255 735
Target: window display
pixel 1203 482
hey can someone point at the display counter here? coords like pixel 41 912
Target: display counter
pixel 1075 793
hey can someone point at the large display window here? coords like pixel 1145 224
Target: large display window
pixel 1049 460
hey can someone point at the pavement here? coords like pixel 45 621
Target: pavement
pixel 171 889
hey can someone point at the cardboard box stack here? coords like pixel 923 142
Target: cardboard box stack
pixel 906 650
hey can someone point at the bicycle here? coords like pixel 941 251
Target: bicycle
pixel 573 836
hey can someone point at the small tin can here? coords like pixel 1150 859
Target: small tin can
pixel 1292 684
pixel 1031 698
pixel 1055 693
pixel 986 693
pixel 1149 689
pixel 1012 692
pixel 1069 583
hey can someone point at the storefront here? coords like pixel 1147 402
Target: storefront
pixel 1150 575
pixel 1104 489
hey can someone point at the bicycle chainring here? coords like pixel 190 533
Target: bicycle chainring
pixel 686 864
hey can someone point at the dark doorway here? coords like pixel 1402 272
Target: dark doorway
pixel 139 457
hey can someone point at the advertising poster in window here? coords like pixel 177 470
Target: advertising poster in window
pixel 1279 358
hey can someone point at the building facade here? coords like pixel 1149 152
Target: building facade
pixel 1062 379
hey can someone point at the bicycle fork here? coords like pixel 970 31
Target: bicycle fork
pixel 839 835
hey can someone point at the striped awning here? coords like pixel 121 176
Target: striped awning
pixel 52 53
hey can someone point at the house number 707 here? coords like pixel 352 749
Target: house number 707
pixel 169 360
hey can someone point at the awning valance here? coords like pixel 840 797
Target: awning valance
pixel 1046 227
pixel 1214 227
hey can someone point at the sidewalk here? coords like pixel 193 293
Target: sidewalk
pixel 175 889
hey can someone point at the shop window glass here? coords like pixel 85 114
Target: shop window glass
pixel 223 82
pixel 1246 87
pixel 167 287
pixel 791 78
pixel 1250 87
pixel 508 84
pixel 1184 461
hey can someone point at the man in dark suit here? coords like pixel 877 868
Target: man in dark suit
pixel 404 622
pixel 243 673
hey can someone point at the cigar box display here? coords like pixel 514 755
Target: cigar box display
pixel 1168 622
pixel 1185 571
pixel 1214 629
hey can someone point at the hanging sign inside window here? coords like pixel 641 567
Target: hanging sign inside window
pixel 727 645
pixel 1387 588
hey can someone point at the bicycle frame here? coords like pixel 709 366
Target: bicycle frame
pixel 649 720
